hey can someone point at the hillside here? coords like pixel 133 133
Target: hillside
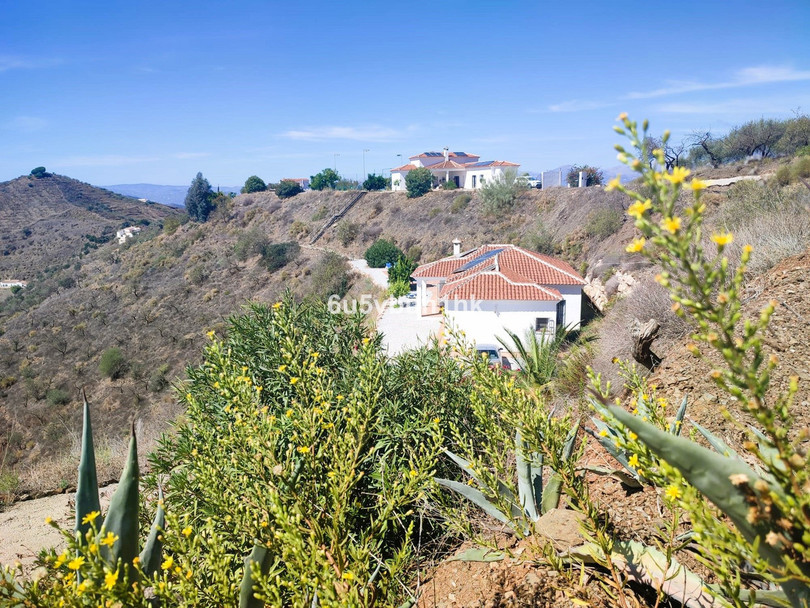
pixel 53 219
pixel 173 196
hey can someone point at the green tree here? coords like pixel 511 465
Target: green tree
pixel 382 252
pixel 254 184
pixel 198 199
pixel 325 179
pixel 401 271
pixel 288 188
pixel 39 172
pixel 418 182
pixel 375 182
pixel 593 176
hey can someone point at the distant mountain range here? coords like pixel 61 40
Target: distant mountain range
pixel 168 195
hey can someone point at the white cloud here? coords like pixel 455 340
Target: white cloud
pixel 368 133
pixel 16 62
pixel 103 160
pixel 745 77
pixel 25 124
pixel 740 106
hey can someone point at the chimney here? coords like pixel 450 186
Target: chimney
pixel 456 246
pixel 446 154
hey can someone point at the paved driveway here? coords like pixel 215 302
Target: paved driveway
pixel 378 275
pixel 404 329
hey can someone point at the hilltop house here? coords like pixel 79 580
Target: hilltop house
pixel 466 170
pixel 127 233
pixel 496 287
pixel 8 284
pixel 303 182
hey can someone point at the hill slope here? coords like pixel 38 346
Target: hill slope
pixel 49 219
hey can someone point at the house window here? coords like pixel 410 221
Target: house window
pixel 473 180
pixel 541 324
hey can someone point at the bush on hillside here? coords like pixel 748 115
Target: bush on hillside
pixel 604 222
pixel 382 252
pixel 501 193
pixel 326 179
pixel 250 244
pixel 418 182
pixel 347 232
pixel 401 271
pixel 39 172
pixel 112 364
pixel 331 275
pixel 278 255
pixel 287 189
pixel 460 203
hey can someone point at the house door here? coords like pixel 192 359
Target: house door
pixel 560 314
pixel 473 180
pixel 455 179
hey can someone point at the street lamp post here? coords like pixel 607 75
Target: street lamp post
pixel 364 162
pixel 400 160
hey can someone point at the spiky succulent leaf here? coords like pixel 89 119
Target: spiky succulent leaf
pixel 122 516
pixel 261 556
pixel 476 497
pixel 718 444
pixel 553 489
pixel 153 548
pixel 524 476
pixel 712 475
pixel 503 490
pixel 87 487
pixel 677 424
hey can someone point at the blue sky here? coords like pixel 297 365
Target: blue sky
pixel 126 92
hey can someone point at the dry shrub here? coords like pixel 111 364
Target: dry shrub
pixel 648 300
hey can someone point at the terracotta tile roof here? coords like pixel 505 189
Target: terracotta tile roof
pixel 513 273
pixel 492 163
pixel 408 167
pixel 448 164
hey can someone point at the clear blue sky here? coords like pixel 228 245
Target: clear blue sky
pixel 125 92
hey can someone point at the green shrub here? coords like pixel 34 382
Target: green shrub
pixel 56 396
pixel 460 203
pixel 382 252
pixel 434 212
pixel 375 182
pixel 288 189
pixel 602 223
pixel 347 232
pixel 401 271
pixel 112 364
pixel 321 213
pixel 331 275
pixel 254 184
pixel 250 244
pixel 800 167
pixel 500 194
pixel 418 182
pixel 782 175
pixel 278 255
pixel 449 185
pixel 158 380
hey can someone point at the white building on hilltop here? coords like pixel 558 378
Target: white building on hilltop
pixel 465 170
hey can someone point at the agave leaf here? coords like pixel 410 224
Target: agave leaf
pixel 524 476
pixel 122 516
pixel 610 447
pixel 648 566
pixel 553 491
pixel 775 598
pixel 153 548
pixel 260 556
pixel 624 477
pixel 711 474
pixel 502 489
pixel 718 444
pixel 476 497
pixel 87 487
pixel 769 453
pixel 677 424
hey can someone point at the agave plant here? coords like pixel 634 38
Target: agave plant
pixel 121 519
pixel 532 500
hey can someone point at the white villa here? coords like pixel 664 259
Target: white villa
pixel 8 284
pixel 466 170
pixel 127 233
pixel 496 287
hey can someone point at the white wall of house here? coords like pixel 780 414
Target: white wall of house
pixel 573 304
pixel 491 318
pixel 398 180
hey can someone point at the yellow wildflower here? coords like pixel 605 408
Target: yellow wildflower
pixel 303 449
pixel 614 183
pixel 110 579
pixel 277 305
pixel 61 559
pixel 673 492
pixel 294 380
pixel 413 473
pixel 435 421
pixel 747 249
pixel 90 517
pixel 622 116
pixel 82 587
pixel 282 368
pixel 697 184
pixel 109 540
pixel 678 175
pixel 48 520
pixel 186 531
pixel 632 436
pixel 189 574
pixel 671 224
pixel 723 239
pixel 136 560
pixel 636 246
pixel 638 208
pixel 210 334
pixel 633 460
pixel 347 576
pixel 168 563
pixel 76 563
pixel 603 433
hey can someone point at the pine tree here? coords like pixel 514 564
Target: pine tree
pixel 198 199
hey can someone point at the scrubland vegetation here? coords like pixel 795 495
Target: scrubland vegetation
pixel 341 474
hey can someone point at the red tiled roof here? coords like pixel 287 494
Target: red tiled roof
pixel 448 164
pixel 408 167
pixel 513 273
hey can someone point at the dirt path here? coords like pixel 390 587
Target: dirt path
pixel 23 531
